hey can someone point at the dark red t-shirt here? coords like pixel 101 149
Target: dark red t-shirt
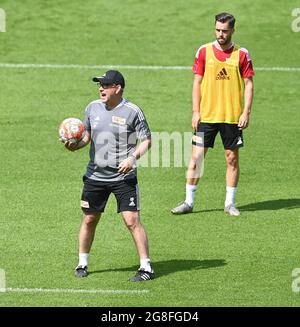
pixel 246 67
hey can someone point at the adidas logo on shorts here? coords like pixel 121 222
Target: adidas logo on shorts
pixel 131 204
pixel 240 141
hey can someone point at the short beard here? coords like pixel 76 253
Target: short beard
pixel 226 43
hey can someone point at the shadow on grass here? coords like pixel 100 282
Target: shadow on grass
pixel 288 204
pixel 163 268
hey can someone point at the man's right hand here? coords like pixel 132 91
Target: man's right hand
pixel 76 146
pixel 195 120
pixel 71 146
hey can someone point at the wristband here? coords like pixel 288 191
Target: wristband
pixel 133 156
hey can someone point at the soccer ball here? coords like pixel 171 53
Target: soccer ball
pixel 71 130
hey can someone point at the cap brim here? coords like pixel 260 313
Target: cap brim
pixel 101 79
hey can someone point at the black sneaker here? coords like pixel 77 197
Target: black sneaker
pixel 81 271
pixel 142 275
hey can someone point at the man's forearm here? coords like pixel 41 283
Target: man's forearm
pixel 196 96
pixel 142 148
pixel 85 141
pixel 248 96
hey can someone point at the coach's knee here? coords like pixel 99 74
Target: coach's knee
pixel 133 224
pixel 195 163
pixel 91 220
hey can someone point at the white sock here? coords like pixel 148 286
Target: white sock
pixel 146 265
pixel 190 191
pixel 230 195
pixel 83 259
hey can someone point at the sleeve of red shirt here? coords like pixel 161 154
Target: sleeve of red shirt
pixel 199 62
pixel 246 67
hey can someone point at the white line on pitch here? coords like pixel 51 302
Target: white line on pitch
pixel 66 290
pixel 136 67
pixel 77 66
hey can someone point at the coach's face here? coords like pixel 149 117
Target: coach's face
pixel 223 33
pixel 109 94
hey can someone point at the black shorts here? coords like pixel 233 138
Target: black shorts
pixel 232 136
pixel 96 193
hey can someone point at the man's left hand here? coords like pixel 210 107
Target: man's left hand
pixel 126 165
pixel 244 120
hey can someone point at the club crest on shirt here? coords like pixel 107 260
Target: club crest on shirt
pixel 118 120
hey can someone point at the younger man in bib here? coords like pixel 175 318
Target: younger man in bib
pixel 221 70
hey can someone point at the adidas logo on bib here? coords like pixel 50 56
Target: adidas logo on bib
pixel 223 75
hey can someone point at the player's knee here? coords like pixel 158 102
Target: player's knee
pixel 232 160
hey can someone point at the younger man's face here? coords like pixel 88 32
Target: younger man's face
pixel 223 33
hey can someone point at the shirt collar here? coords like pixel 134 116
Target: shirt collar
pixel 216 44
pixel 119 105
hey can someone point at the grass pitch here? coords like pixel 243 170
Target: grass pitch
pixel 202 259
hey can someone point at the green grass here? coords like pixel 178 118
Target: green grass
pixel 202 259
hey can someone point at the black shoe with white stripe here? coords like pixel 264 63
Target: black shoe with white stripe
pixel 81 271
pixel 142 275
